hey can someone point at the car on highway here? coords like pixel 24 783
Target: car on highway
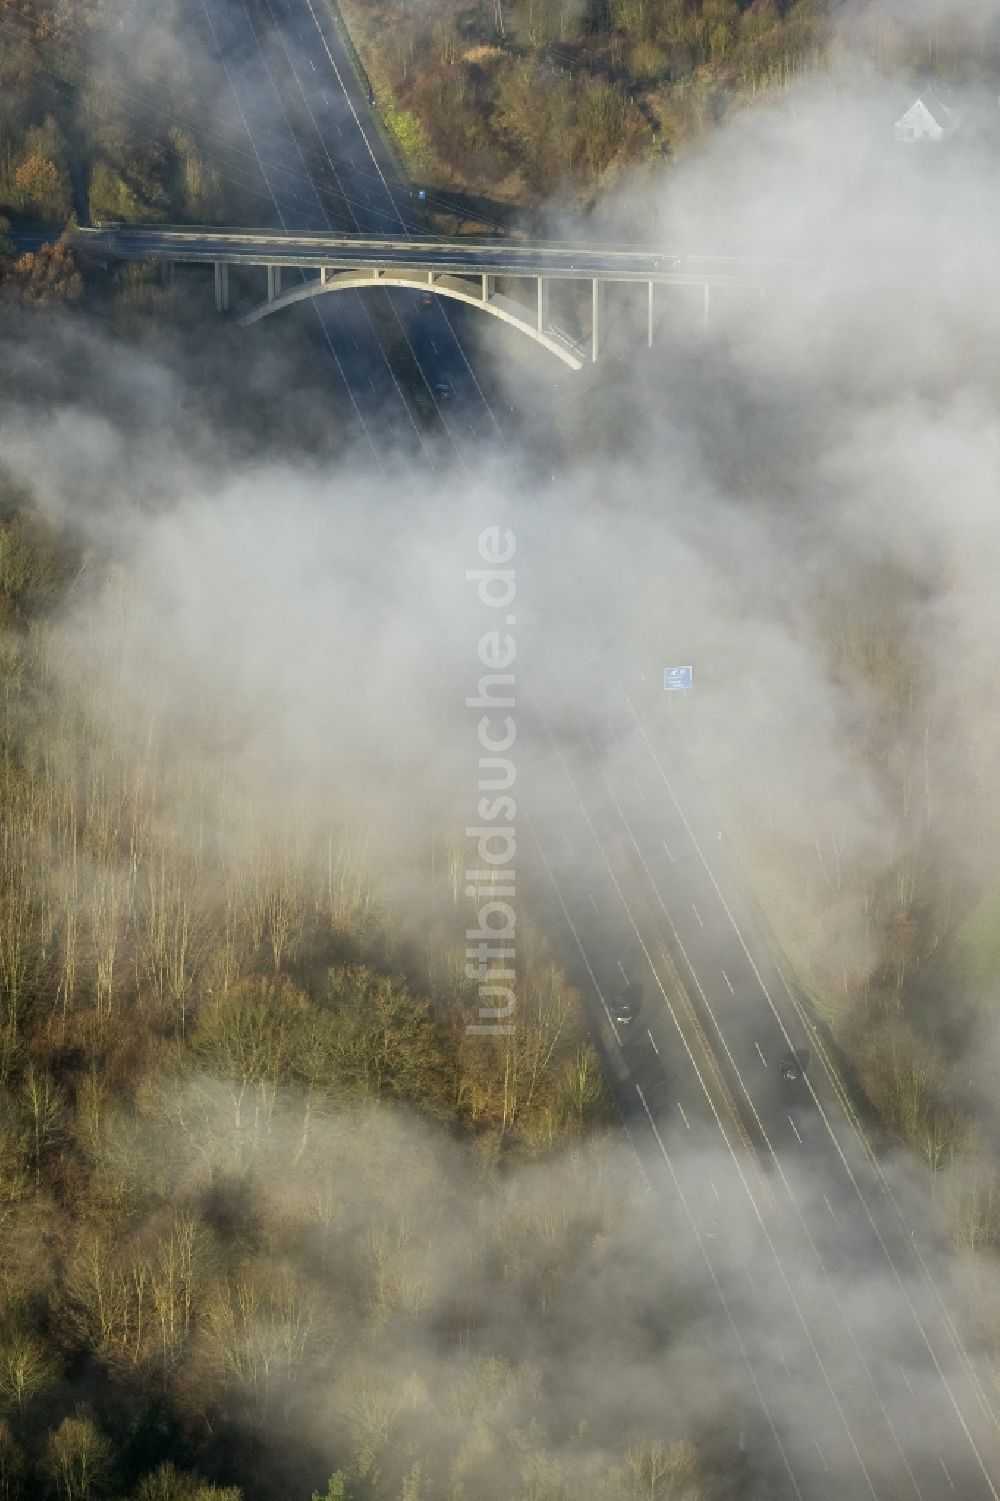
pixel 442 390
pixel 624 1007
pixel 793 1065
pixel 427 299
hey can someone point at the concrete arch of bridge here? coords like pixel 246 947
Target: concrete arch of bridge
pixel 461 290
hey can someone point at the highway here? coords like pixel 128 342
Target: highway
pixel 831 1250
pixel 300 140
pixel 857 1385
pixel 338 182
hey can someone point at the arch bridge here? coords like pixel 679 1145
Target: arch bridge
pixel 464 270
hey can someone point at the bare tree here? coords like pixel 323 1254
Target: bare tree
pixel 27 1367
pixel 78 1459
pixel 177 1271
pixel 655 1469
pixel 45 1106
pixel 260 1327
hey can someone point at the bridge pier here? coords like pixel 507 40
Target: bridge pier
pixel 221 287
pixel 273 282
pixel 595 325
pixel 488 284
pixel 542 306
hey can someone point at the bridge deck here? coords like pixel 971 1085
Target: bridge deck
pixel 459 257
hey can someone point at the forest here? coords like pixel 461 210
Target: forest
pixel 548 101
pixel 107 112
pixel 110 111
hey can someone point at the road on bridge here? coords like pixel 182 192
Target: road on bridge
pixel 526 258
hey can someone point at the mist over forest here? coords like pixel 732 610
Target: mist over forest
pixel 274 1223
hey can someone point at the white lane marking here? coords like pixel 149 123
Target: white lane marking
pixel 684 1118
pixel 829 1206
pixel 612 729
pixel 638 787
pixel 728 982
pixel 312 64
pixel 796 1130
pixel 697 914
pixel 906 1378
pixel 715 1191
pixel 822 1456
pixel 750 1278
pixel 325 96
pixel 667 848
pixel 434 346
pixel 762 1058
pixel 653 1041
pixel 622 968
pixel 946 1475
pixel 593 903
pixel 784 1362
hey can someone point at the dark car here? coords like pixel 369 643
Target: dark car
pixel 427 299
pixel 793 1065
pixel 623 1007
pixel 442 390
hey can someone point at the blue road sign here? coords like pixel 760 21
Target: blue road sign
pixel 677 677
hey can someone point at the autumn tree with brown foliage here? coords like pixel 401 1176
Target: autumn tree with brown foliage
pixel 43 277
